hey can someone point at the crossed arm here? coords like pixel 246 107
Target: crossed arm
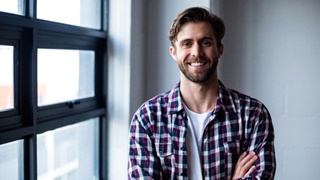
pixel 262 144
pixel 244 165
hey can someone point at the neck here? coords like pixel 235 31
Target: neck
pixel 200 97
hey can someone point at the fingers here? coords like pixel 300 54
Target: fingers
pixel 244 165
pixel 250 159
pixel 250 171
pixel 242 156
pixel 247 160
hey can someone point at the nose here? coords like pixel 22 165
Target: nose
pixel 196 50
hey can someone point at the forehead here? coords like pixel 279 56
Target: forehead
pixel 195 30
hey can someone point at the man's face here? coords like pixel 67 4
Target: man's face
pixel 196 51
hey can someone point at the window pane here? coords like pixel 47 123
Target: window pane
pixel 69 152
pixel 64 75
pixel 11 160
pixel 84 13
pixel 12 6
pixel 6 77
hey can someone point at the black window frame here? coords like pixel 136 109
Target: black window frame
pixel 27 34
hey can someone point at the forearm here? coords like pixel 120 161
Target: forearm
pixel 260 140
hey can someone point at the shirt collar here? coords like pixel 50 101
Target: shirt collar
pixel 175 103
pixel 224 102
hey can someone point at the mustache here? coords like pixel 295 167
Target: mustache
pixel 197 60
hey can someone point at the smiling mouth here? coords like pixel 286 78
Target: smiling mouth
pixel 197 64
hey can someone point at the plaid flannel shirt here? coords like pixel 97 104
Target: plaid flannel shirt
pixel 239 123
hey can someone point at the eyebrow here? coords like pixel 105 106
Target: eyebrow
pixel 204 38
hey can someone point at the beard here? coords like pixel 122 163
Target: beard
pixel 200 76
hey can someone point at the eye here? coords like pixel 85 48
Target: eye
pixel 206 43
pixel 186 44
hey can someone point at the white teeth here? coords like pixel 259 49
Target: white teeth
pixel 197 64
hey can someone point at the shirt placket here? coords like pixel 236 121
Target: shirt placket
pixel 182 169
pixel 206 149
pixel 205 153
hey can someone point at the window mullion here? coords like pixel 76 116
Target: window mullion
pixel 31 8
pixel 28 88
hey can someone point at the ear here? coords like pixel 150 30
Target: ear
pixel 220 50
pixel 173 52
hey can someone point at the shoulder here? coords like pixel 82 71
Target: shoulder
pixel 155 104
pixel 157 112
pixel 241 101
pixel 164 103
pixel 251 110
pixel 245 99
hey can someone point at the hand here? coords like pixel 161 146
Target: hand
pixel 245 165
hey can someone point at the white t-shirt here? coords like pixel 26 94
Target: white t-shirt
pixel 196 125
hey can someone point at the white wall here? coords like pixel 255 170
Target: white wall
pixel 118 100
pixel 272 53
pixel 271 50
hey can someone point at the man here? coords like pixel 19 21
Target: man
pixel 200 129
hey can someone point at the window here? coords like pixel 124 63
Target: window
pixel 69 152
pixel 12 6
pixel 6 77
pixel 52 89
pixel 11 160
pixel 86 13
pixel 75 79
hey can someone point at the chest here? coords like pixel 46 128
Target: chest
pixel 223 140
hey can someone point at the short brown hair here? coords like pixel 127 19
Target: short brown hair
pixel 197 14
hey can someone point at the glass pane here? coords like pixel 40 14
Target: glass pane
pixel 64 75
pixel 12 6
pixel 11 160
pixel 6 77
pixel 69 152
pixel 84 13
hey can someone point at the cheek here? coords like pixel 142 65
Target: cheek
pixel 212 54
pixel 182 54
